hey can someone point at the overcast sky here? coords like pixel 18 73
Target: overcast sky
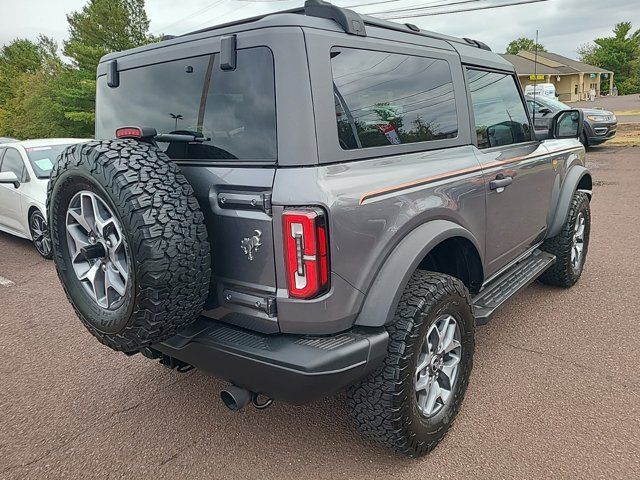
pixel 563 24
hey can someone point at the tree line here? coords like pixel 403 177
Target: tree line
pixel 43 94
pixel 619 53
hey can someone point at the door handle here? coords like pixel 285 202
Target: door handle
pixel 500 182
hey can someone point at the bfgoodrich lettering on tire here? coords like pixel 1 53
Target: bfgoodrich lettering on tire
pixel 129 242
pixel 410 402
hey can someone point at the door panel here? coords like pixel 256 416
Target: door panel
pixel 11 197
pixel 517 212
pixel 517 170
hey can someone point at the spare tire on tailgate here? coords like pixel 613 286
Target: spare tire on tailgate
pixel 129 242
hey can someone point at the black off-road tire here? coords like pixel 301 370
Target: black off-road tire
pixel 163 227
pixel 562 273
pixel 384 405
pixel 583 139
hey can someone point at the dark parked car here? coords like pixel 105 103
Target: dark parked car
pixel 341 200
pixel 599 125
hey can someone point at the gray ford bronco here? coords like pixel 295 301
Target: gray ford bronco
pixel 313 201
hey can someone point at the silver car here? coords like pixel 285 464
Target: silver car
pixel 24 176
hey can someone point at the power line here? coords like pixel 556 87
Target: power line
pixel 425 6
pixel 191 15
pixel 411 14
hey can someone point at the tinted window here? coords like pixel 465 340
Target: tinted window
pixel 390 99
pixel 498 109
pixel 42 158
pixel 233 110
pixel 12 162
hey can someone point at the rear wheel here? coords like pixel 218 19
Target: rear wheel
pixel 40 233
pixel 410 402
pixel 129 242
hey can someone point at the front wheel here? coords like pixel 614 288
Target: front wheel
pixel 570 246
pixel 410 402
pixel 40 234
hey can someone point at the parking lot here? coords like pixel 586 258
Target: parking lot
pixel 555 391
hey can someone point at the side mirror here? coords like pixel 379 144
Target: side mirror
pixel 544 111
pixel 9 177
pixel 566 124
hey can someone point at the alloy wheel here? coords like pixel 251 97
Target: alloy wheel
pixel 98 249
pixel 437 368
pixel 577 244
pixel 40 234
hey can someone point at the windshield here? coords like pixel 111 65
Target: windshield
pixel 553 104
pixel 42 158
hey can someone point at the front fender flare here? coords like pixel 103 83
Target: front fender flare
pixel 571 181
pixel 384 294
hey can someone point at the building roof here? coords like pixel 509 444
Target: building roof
pixel 549 64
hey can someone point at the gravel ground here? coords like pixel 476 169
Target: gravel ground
pixel 554 392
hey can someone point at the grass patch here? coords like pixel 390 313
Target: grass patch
pixel 628 135
pixel 626 112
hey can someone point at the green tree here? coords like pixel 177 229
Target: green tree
pixel 25 67
pixel 523 43
pixel 619 53
pixel 104 26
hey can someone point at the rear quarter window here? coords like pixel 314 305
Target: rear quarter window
pixel 386 98
pixel 233 111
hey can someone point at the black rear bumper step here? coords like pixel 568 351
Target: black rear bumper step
pixel 292 368
pixel 509 283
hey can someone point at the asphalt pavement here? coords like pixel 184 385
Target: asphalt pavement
pixel 555 391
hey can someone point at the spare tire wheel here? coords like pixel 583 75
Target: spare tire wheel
pixel 129 242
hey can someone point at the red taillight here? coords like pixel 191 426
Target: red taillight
pixel 129 132
pixel 306 252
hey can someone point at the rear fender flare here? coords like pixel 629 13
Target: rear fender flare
pixel 571 182
pixel 384 294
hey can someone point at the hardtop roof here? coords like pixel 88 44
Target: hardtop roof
pixel 376 28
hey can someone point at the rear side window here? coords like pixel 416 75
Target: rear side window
pixel 232 111
pixel 390 99
pixel 499 113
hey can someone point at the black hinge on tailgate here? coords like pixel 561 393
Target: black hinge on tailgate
pixel 265 303
pixel 246 201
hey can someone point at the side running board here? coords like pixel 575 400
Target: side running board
pixel 509 283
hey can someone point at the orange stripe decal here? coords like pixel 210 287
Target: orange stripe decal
pixel 455 173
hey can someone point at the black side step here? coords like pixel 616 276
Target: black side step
pixel 509 283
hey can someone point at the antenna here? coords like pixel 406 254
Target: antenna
pixel 535 78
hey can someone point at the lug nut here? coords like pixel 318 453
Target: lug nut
pixel 104 267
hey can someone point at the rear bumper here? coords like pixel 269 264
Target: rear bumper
pixel 291 368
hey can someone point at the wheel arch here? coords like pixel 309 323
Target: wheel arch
pixel 438 245
pixel 578 178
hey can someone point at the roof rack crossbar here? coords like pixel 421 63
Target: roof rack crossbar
pixel 349 20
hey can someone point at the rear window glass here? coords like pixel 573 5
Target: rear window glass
pixel 390 99
pixel 232 111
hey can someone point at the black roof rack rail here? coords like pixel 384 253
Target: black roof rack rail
pixel 349 20
pixel 477 43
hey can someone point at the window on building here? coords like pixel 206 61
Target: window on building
pixel 499 112
pixel 390 99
